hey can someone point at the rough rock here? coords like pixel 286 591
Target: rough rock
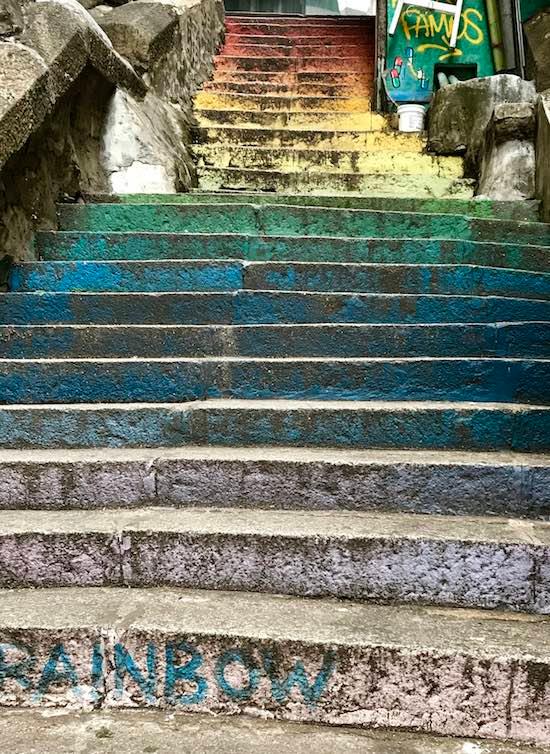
pixel 142 31
pixel 543 154
pixel 537 33
pixel 460 113
pixel 11 17
pixel 144 146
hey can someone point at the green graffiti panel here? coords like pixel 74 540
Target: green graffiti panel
pixel 421 42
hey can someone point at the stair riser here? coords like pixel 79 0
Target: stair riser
pixel 332 694
pixel 294 221
pixel 483 208
pixel 475 428
pixel 312 120
pixel 259 307
pixel 208 100
pixel 339 78
pixel 203 277
pixel 446 488
pixel 288 89
pixel 142 246
pixel 191 379
pixel 318 161
pixel 317 64
pixel 531 339
pixel 478 574
pixel 234 47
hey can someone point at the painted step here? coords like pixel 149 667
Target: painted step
pixel 441 482
pixel 293 28
pixel 512 210
pixel 100 380
pixel 353 50
pixel 343 78
pixel 446 671
pixel 288 89
pixel 191 275
pixel 451 561
pixel 317 63
pixel 294 221
pixel 316 37
pixel 263 307
pixel 322 161
pixel 311 120
pixel 71 246
pixel 152 730
pixel 322 424
pixel 517 340
pixel 206 100
pixel 369 141
pixel 235 179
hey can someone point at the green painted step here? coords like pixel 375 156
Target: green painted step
pixel 71 246
pixel 526 339
pixel 294 221
pixel 513 210
pixel 323 424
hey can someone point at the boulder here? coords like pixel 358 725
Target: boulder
pixel 141 31
pixel 460 113
pixel 537 33
pixel 507 169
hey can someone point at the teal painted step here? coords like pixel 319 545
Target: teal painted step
pixel 74 246
pixel 107 380
pixel 294 221
pixel 529 339
pixel 522 211
pixel 183 276
pixel 262 307
pixel 443 426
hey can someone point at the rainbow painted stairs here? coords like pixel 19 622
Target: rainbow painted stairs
pixel 290 109
pixel 285 456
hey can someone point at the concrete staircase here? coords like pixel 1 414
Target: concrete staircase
pixel 289 109
pixel 312 435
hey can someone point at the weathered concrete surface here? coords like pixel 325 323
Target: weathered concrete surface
pixel 352 424
pixel 543 154
pixel 293 221
pixel 76 245
pixel 460 113
pixel 512 340
pixel 443 482
pixel 537 32
pixel 507 168
pixel 102 380
pixel 11 17
pixel 446 671
pixel 127 732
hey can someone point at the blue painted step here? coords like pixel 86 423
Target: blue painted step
pixel 341 425
pixel 256 307
pixel 178 380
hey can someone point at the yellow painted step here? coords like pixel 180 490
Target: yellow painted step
pixel 291 160
pixel 207 100
pixel 313 120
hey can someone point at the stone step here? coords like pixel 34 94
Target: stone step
pixel 353 50
pixel 101 380
pixel 318 63
pixel 323 424
pixel 504 210
pixel 263 307
pixel 287 88
pixel 206 100
pixel 368 141
pixel 416 481
pixel 129 731
pixel 71 246
pixel 343 78
pixel 294 221
pixel 475 562
pixel 208 276
pixel 387 185
pixel 329 160
pixel 311 120
pixel 523 339
pixel 446 671
pixel 294 29
pixel 315 37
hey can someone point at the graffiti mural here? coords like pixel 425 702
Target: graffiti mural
pixel 422 41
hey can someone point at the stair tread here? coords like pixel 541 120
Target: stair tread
pixel 259 616
pixel 130 731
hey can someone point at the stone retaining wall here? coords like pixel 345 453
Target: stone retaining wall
pixel 543 154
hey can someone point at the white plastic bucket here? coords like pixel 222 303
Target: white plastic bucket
pixel 411 118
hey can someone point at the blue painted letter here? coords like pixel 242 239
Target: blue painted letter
pixel 298 677
pixel 184 673
pixel 124 663
pixel 242 657
pixel 16 670
pixel 51 673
